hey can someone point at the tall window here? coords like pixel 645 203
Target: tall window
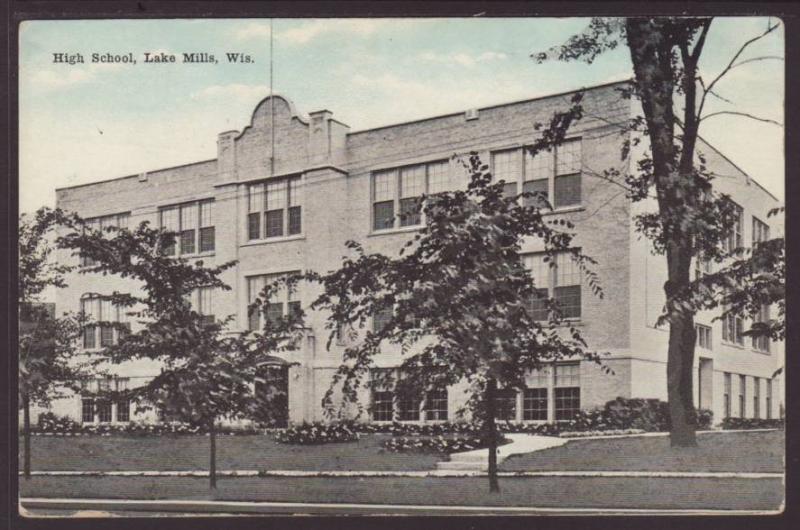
pixel 756 397
pixel 274 208
pixel 567 391
pixel 408 408
pixel 703 336
pixel 567 184
pixel 727 394
pixel 534 399
pixel 192 222
pixel 506 165
pixel 769 399
pixel 436 405
pixel 760 231
pixel 732 329
pixel 734 239
pixel 104 411
pixel 87 410
pixel 742 395
pixel 398 191
pixel 101 313
pixel 505 404
pixel 281 302
pixel 202 301
pixel 382 406
pixel 381 319
pixel 563 281
pixel 101 223
pixel 761 342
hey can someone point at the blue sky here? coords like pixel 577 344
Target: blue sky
pixel 90 122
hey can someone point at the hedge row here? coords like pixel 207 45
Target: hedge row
pixel 733 424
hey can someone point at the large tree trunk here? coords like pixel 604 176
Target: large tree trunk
pixel 491 434
pixel 680 358
pixel 26 432
pixel 212 464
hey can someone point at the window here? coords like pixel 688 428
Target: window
pixel 101 314
pixel 769 399
pixel 281 302
pixel 123 410
pixel 436 405
pixel 408 409
pixel 734 239
pixel 756 397
pixel 381 319
pixel 192 223
pixel 101 223
pixel 760 231
pixel 505 404
pixel 87 410
pixel 274 208
pixel 398 191
pixel 382 406
pixel 701 267
pixel 564 279
pixel 703 336
pixel 534 398
pixel 554 174
pixel 104 411
pixel 742 395
pixel 727 395
pixel 202 301
pixel 567 391
pixel 761 342
pixel 732 328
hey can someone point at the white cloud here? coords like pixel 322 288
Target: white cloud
pixel 254 30
pixel 462 59
pixel 51 79
pixel 309 30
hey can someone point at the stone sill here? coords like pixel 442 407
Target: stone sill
pixel 272 240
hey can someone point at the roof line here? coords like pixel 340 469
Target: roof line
pixel 516 102
pixel 136 175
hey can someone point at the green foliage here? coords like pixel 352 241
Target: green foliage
pixel 50 423
pixel 731 424
pixel 439 444
pixel 317 433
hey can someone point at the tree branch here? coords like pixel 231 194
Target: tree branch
pixel 744 114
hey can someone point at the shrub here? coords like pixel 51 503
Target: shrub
pixel 751 423
pixel 50 424
pixel 317 433
pixel 612 432
pixel 437 444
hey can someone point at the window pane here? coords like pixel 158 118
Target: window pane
pixel 384 183
pixel 439 177
pixel 123 410
pixel 253 226
pixel 189 216
pixel 382 406
pixel 436 405
pixel 89 337
pixel 567 270
pixel 106 336
pixel 506 166
pixel 206 294
pixel 187 242
pixel 87 410
pixel 505 404
pixel 567 190
pixel 123 219
pixel 539 167
pixel 295 220
pixel 412 181
pixel 568 157
pixel 540 270
pixel 537 306
pixel 273 223
pixel 104 411
pixel 169 222
pixel 383 215
pixel 568 403
pixel 255 197
pixel 207 239
pixel 276 194
pixel 295 192
pixel 569 300
pixel 408 409
pixel 380 319
pixel 275 311
pixel 568 375
pixel 540 188
pixel 207 213
pixel 509 189
pixel 534 404
pixel 410 212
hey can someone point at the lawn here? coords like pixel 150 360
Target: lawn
pixel 186 453
pixel 566 492
pixel 756 452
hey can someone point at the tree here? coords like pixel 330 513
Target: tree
pixel 691 219
pixel 458 299
pixel 47 344
pixel 207 371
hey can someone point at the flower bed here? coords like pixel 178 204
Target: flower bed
pixel 51 425
pixel 732 424
pixel 437 444
pixel 611 432
pixel 317 433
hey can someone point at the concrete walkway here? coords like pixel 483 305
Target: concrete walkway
pixel 477 459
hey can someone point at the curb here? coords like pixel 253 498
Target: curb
pixel 439 473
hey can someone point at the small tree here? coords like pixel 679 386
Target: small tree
pixel 691 220
pixel 47 344
pixel 460 293
pixel 207 372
